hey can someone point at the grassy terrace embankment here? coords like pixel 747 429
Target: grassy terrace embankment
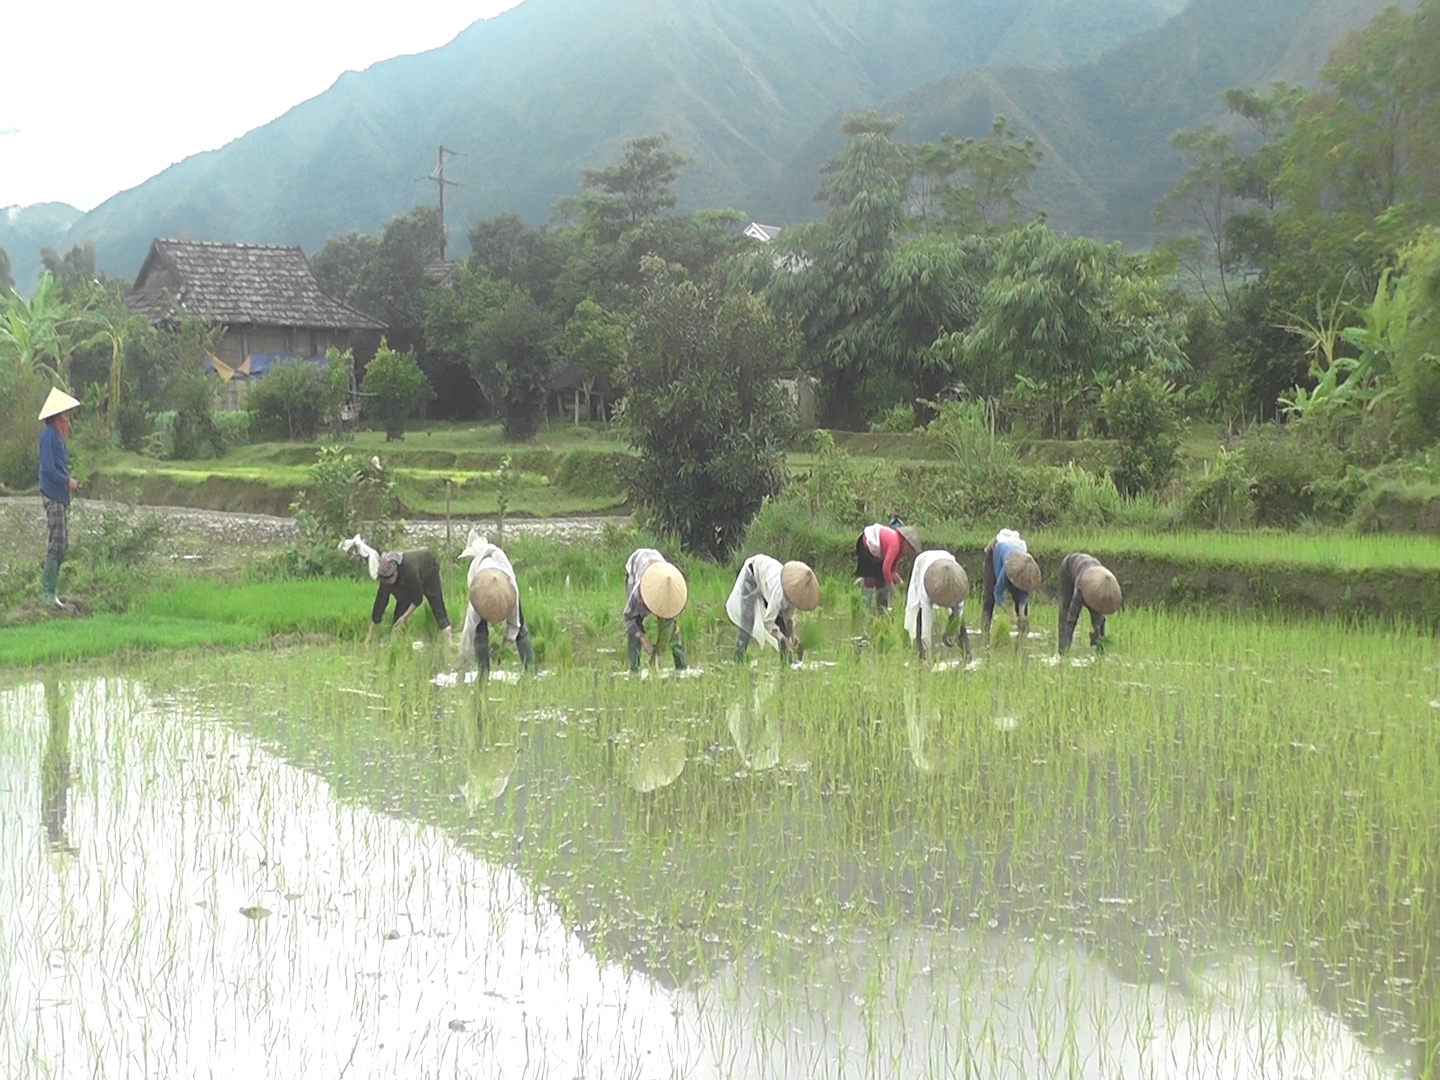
pixel 566 471
pixel 573 592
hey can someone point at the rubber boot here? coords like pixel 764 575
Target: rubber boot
pixel 49 579
pixel 526 650
pixel 632 649
pixel 677 653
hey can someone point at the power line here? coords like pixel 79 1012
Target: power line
pixel 438 179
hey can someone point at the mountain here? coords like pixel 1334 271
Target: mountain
pixel 24 230
pixel 1104 126
pixel 536 95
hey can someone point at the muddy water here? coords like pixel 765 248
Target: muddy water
pixel 200 877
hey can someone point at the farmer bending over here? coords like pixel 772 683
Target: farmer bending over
pixel 938 582
pixel 653 587
pixel 409 576
pixel 1086 583
pixel 878 552
pixel 764 601
pixel 494 597
pixel 1008 565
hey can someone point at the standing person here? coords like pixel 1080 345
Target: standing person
pixel 938 581
pixel 56 486
pixel 494 597
pixel 878 552
pixel 1008 565
pixel 410 577
pixel 1085 582
pixel 653 587
pixel 764 601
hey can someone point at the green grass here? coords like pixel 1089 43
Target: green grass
pixel 108 635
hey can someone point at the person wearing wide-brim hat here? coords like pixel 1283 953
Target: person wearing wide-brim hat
pixel 494 598
pixel 412 578
pixel 763 603
pixel 653 587
pixel 938 581
pixel 56 486
pixel 1008 566
pixel 878 552
pixel 1086 583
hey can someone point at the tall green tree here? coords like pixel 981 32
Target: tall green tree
pixel 619 197
pixel 393 285
pixel 595 339
pixel 828 276
pixel 341 262
pixel 704 409
pixel 974 185
pixel 513 359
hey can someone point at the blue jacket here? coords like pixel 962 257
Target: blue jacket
pixel 1002 550
pixel 54 465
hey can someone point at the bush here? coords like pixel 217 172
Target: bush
pixel 191 430
pixel 1285 466
pixel 288 403
pixel 897 419
pixel 1141 414
pixel 394 388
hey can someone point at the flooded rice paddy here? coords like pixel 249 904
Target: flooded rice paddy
pixel 1211 852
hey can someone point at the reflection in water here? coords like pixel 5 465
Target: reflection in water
pixel 55 768
pixel 810 934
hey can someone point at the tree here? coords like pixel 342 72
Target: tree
pixel 341 261
pixel 828 278
pixel 1141 414
pixel 619 197
pixel 974 185
pixel 513 360
pixel 393 284
pixel 596 339
pixel 1059 314
pixel 705 410
pixel 74 272
pixel 394 387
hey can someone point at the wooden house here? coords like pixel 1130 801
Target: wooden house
pixel 264 296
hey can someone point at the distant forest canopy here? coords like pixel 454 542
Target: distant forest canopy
pixel 550 87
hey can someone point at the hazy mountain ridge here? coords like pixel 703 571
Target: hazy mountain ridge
pixel 1104 126
pixel 551 87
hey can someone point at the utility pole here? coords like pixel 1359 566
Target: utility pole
pixel 438 177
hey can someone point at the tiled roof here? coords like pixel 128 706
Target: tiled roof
pixel 260 284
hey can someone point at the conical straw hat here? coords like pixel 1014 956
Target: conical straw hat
pixel 56 403
pixel 798 583
pixel 911 535
pixel 492 596
pixel 1022 569
pixel 946 583
pixel 663 589
pixel 1100 591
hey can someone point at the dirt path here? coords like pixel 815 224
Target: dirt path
pixel 191 533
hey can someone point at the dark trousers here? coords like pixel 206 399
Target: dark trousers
pixel 1071 603
pixel 522 644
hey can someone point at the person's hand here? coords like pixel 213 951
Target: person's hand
pixel 899 582
pixel 648 646
pixel 74 484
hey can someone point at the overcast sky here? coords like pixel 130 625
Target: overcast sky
pixel 98 95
